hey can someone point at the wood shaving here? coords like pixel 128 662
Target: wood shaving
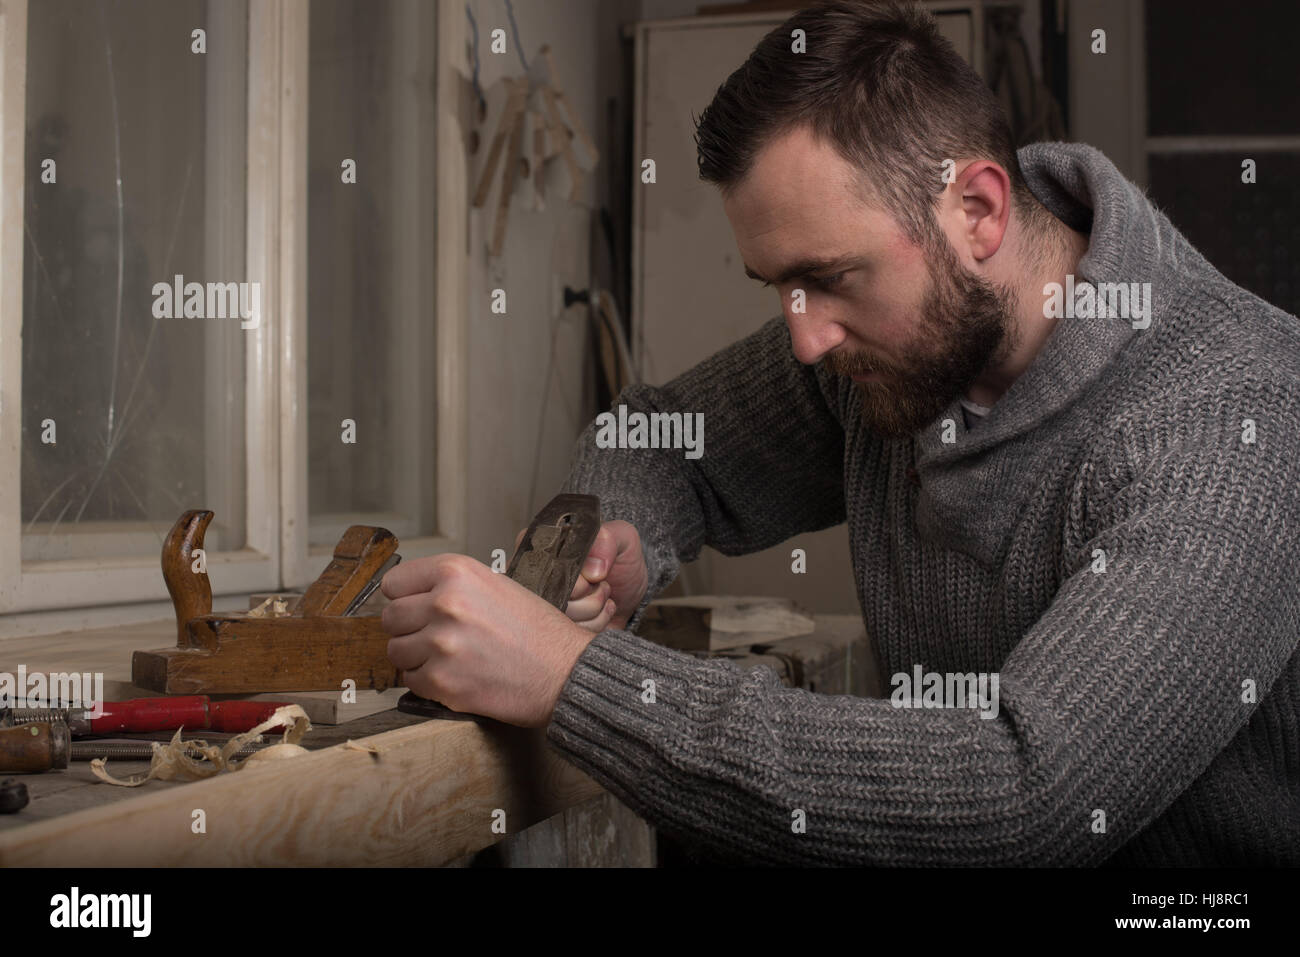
pixel 276 752
pixel 273 607
pixel 195 759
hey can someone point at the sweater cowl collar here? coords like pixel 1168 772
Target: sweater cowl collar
pixel 1129 242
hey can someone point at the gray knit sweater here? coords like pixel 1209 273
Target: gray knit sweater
pixel 1119 540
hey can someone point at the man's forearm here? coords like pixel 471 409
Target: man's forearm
pixel 770 466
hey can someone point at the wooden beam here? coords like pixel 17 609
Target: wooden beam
pixel 426 799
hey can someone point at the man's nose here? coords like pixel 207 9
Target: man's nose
pixel 813 333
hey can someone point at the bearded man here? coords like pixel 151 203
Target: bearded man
pixel 1098 506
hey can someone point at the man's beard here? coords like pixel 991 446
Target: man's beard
pixel 966 322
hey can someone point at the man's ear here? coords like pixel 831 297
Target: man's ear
pixel 985 191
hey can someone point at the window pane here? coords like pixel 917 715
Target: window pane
pixel 1217 68
pixel 371 256
pixel 1248 231
pixel 134 176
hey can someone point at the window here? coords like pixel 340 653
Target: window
pixel 1217 97
pixel 235 266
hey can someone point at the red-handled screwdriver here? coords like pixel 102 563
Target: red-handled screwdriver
pixel 192 712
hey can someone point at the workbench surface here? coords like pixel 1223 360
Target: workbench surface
pixel 75 788
pixel 431 795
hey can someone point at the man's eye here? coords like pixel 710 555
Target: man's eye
pixel 828 282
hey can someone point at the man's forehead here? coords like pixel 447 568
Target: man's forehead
pixel 799 183
pixel 775 195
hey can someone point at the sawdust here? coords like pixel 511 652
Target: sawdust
pixel 194 760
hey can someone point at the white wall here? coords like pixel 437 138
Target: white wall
pixel 509 354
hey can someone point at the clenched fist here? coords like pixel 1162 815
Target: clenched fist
pixel 613 579
pixel 477 641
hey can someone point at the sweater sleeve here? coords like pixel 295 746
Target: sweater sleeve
pixel 772 462
pixel 1112 703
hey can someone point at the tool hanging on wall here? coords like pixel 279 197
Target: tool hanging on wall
pixel 536 124
pixel 318 646
pixel 547 562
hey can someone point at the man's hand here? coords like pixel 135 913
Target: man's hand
pixel 613 579
pixel 476 641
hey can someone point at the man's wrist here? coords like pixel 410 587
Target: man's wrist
pixel 569 650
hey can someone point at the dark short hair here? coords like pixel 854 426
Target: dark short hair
pixel 879 84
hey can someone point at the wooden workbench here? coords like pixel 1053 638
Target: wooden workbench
pixel 428 798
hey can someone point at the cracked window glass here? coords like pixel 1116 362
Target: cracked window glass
pixel 134 230
pixel 371 331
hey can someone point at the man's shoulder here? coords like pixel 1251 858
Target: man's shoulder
pixel 1218 374
pixel 1216 340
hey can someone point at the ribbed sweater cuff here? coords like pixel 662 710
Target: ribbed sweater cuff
pixel 604 719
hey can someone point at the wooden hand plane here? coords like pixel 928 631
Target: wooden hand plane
pixel 319 645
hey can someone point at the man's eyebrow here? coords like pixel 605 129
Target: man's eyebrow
pixel 807 267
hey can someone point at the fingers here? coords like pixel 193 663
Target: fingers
pixel 601 555
pixel 601 622
pixel 422 574
pixel 591 604
pixel 405 616
pixel 582 588
pixel 613 539
pixel 408 653
pixel 428 682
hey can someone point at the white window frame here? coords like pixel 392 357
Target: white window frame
pixel 1101 87
pixel 277 553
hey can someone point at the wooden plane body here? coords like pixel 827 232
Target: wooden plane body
pixel 317 647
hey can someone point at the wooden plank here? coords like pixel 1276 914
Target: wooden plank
pixel 328 707
pixel 510 172
pixel 605 832
pixel 838 658
pixel 566 146
pixel 601 832
pixel 719 622
pixel 75 788
pixel 95 650
pixel 428 798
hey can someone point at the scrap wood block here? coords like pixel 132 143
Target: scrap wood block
pixel 720 622
pixel 329 707
pixel 838 658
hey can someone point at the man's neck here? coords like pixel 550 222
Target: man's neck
pixel 1031 328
